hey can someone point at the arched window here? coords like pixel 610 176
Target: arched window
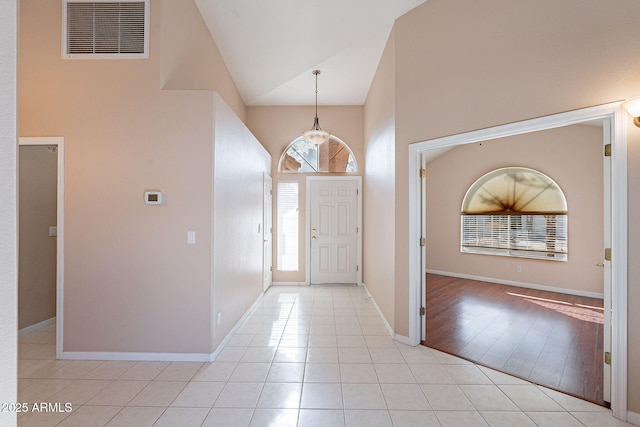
pixel 302 156
pixel 515 211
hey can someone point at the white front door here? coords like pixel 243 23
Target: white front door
pixel 333 231
pixel 267 232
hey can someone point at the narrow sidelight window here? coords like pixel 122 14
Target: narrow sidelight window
pixel 288 217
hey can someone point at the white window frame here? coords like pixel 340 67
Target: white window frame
pixel 315 167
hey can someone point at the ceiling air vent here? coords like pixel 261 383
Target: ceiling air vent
pixel 105 29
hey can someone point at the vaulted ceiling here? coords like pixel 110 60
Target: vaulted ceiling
pixel 272 47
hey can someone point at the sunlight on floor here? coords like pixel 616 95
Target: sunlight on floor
pixel 577 311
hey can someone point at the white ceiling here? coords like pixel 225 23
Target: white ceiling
pixel 271 47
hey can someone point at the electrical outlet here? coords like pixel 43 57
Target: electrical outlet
pixel 518 269
pixel 191 237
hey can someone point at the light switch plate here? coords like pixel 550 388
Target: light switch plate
pixel 53 231
pixel 191 237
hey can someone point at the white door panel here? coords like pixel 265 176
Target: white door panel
pixel 324 219
pixel 334 231
pixel 343 258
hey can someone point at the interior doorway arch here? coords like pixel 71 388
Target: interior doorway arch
pixel 615 118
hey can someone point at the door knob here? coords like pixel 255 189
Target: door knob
pixel 599 264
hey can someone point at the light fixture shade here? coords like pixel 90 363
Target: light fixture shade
pixel 632 106
pixel 316 135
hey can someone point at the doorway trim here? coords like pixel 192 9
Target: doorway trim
pixel 59 142
pixel 617 118
pixel 307 238
pixel 267 231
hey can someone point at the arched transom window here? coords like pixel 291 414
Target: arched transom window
pixel 515 211
pixel 301 156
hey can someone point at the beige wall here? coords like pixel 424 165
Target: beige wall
pixel 38 174
pixel 467 65
pixel 240 163
pixel 8 207
pixel 190 58
pixel 132 283
pixel 572 157
pixel 276 128
pixel 379 185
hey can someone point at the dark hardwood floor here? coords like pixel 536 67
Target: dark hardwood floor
pixel 551 339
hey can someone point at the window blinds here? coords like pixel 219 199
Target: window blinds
pixel 287 253
pixel 535 236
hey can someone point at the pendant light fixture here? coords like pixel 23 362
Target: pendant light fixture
pixel 316 135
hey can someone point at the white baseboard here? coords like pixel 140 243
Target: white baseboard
pixel 402 339
pixel 397 337
pixel 384 319
pixel 519 284
pixel 37 326
pixel 633 418
pixel 235 328
pixel 289 284
pixel 147 357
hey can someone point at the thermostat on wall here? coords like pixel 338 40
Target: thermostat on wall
pixel 153 197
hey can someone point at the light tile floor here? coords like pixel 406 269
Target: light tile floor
pixel 306 356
